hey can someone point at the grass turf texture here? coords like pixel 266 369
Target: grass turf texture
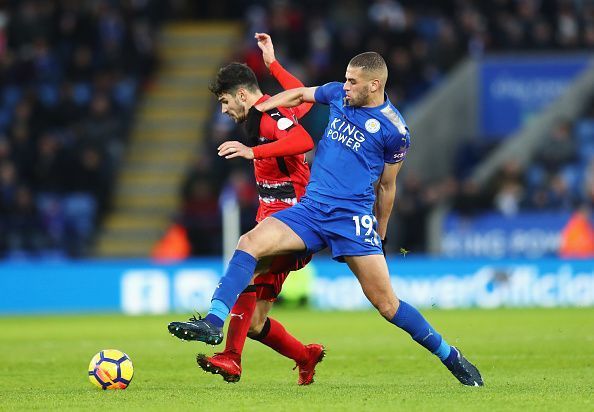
pixel 530 360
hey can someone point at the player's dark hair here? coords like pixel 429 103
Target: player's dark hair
pixel 369 61
pixel 233 76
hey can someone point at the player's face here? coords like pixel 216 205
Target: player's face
pixel 356 86
pixel 232 106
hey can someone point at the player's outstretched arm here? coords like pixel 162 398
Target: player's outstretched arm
pixel 288 81
pixel 283 76
pixel 386 192
pixel 288 98
pixel 265 44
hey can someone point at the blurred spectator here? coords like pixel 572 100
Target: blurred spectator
pixel 173 246
pixel 24 230
pixel 411 210
pixel 509 188
pixel 201 217
pixel 558 149
pixel 387 14
pixel 589 184
pixel 470 198
pixel 50 165
pixel 577 237
pixel 241 183
pixel 102 127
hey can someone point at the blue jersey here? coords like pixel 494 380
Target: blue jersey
pixel 356 144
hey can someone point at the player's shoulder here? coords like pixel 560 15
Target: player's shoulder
pixel 333 86
pixel 280 117
pixel 391 117
pixel 328 92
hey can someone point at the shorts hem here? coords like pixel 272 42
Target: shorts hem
pixel 339 257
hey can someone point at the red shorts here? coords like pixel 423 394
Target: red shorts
pixel 268 285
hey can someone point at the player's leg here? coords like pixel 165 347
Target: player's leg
pixel 372 273
pixel 269 237
pixel 273 334
pixel 288 231
pixel 228 363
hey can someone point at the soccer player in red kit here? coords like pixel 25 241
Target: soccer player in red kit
pixel 276 143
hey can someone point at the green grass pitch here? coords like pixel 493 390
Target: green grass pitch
pixel 533 359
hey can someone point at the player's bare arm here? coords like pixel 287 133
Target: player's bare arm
pixel 386 192
pixel 289 98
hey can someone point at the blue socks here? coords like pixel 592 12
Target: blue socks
pixel 411 320
pixel 217 313
pixel 238 275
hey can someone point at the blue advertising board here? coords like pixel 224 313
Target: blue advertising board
pixel 514 89
pixel 446 283
pixel 142 287
pixel 492 235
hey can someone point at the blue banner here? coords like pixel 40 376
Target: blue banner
pixel 512 90
pixel 142 287
pixel 131 286
pixel 492 235
pixel 445 283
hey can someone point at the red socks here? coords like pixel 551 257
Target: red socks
pixel 275 336
pixel 239 322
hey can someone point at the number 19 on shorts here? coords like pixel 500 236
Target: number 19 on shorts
pixel 364 225
pixel 364 221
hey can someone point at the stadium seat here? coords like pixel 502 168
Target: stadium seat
pixel 11 96
pixel 48 94
pixel 82 93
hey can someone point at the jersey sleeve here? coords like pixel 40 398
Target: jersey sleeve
pixel 328 92
pixel 284 137
pixel 396 146
pixel 288 81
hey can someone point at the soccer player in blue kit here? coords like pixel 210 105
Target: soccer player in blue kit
pixel 360 153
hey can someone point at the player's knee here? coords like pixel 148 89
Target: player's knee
pixel 248 244
pixel 386 308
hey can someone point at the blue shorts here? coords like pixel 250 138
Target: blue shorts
pixel 347 232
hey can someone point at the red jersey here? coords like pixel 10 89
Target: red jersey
pixel 280 179
pixel 281 173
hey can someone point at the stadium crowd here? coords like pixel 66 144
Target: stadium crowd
pixel 421 41
pixel 71 74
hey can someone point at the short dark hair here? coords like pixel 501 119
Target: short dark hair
pixel 233 76
pixel 369 61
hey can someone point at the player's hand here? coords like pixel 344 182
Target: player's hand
pixel 265 44
pixel 232 149
pixel 384 243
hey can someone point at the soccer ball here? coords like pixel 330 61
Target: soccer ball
pixel 111 369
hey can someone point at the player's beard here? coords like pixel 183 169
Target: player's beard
pixel 241 112
pixel 361 99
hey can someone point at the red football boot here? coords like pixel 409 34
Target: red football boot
pixel 307 370
pixel 220 364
